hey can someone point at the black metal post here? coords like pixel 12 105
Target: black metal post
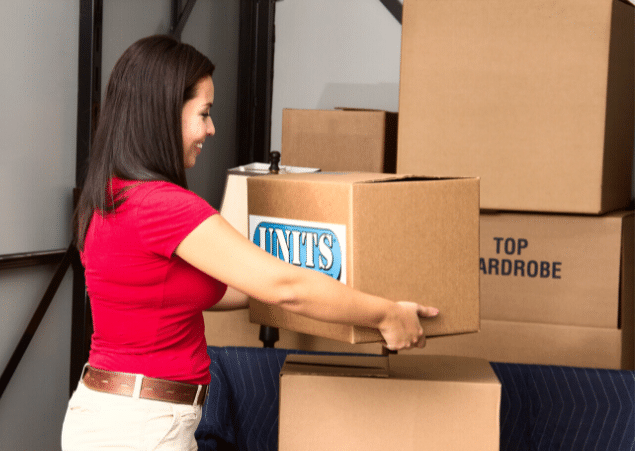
pixel 179 17
pixel 88 102
pixel 395 7
pixel 255 79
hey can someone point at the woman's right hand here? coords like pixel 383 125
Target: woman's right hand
pixel 401 328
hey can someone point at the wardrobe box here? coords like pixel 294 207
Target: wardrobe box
pixel 577 308
pixel 388 403
pixel 400 237
pixel 558 269
pixel 533 97
pixel 340 139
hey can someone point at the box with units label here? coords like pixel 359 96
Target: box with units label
pixel 400 402
pixel 399 237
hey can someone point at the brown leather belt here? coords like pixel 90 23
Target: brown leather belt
pixel 157 389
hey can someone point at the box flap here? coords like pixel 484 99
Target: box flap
pixel 336 365
pixel 356 177
pixel 420 367
pixel 441 368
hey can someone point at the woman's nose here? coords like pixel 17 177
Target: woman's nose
pixel 211 130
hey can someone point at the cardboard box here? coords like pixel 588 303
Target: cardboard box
pixel 394 403
pixel 541 344
pixel 557 269
pixel 533 97
pixel 400 237
pixel 340 140
pixel 600 261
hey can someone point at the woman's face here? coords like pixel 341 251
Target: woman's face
pixel 196 122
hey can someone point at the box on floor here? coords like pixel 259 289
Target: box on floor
pixel 533 97
pixel 403 238
pixel 396 402
pixel 340 140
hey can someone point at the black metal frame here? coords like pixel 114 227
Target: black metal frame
pixel 88 104
pixel 43 306
pixel 395 7
pixel 255 80
pixel 179 16
pixel 26 259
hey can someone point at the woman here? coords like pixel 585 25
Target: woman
pixel 156 255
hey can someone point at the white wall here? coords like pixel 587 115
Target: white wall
pixel 38 106
pixel 38 42
pixel 329 54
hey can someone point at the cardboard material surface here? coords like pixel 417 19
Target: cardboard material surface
pixel 340 140
pixel 584 319
pixel 556 269
pixel 400 237
pixel 399 402
pixel 541 344
pixel 533 97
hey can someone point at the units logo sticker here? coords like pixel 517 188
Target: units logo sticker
pixel 312 245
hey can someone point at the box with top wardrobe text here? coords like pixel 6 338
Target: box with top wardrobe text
pixel 555 289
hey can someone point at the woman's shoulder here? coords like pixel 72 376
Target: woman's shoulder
pixel 140 189
pixel 161 194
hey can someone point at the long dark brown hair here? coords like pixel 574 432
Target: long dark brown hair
pixel 139 134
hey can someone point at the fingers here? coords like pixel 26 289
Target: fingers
pixel 416 340
pixel 407 333
pixel 427 312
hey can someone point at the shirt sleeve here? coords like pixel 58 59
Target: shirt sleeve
pixel 167 214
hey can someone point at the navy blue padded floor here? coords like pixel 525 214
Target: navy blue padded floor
pixel 542 407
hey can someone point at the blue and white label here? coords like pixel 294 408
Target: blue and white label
pixel 312 245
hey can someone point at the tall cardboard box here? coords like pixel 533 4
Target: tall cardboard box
pixel 533 97
pixel 400 237
pixel 578 307
pixel 401 403
pixel 340 140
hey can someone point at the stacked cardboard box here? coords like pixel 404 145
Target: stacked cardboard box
pixel 343 139
pixel 399 402
pixel 536 99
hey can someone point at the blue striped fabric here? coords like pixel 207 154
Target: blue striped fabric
pixel 563 408
pixel 543 408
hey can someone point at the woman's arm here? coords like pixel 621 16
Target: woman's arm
pixel 219 250
pixel 232 300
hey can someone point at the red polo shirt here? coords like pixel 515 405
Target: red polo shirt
pixel 146 302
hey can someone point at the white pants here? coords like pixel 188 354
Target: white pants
pixel 96 420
